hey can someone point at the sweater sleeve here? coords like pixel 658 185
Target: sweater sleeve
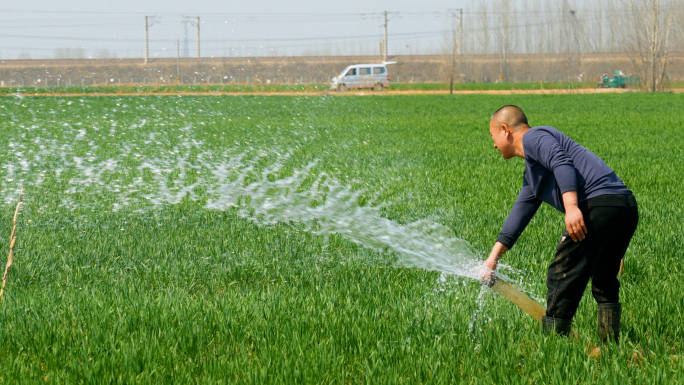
pixel 548 152
pixel 522 212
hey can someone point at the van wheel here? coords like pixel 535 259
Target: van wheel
pixel 342 88
pixel 378 87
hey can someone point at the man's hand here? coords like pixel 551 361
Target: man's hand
pixel 489 267
pixel 574 224
pixel 574 220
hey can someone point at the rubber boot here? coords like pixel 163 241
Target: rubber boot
pixel 556 325
pixel 609 315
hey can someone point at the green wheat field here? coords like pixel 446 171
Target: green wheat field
pixel 295 239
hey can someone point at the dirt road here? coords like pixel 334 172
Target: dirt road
pixel 386 92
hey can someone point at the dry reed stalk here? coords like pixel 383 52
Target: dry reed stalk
pixel 13 240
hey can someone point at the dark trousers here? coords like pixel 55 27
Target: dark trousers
pixel 611 221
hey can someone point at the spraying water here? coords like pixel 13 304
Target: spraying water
pixel 327 207
pixel 252 180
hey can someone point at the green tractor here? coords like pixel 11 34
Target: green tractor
pixel 619 79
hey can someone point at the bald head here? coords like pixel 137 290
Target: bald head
pixel 511 116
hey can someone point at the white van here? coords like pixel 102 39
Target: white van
pixel 373 76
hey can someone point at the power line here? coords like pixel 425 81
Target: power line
pixel 245 22
pixel 297 16
pixel 227 39
pixel 239 14
pixel 40 26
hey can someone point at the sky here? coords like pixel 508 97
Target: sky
pixel 97 29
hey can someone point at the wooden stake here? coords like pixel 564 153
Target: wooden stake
pixel 13 240
pixel 534 309
pixel 537 312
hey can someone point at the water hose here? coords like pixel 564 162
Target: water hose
pixel 529 306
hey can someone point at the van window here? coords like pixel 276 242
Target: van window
pixel 365 71
pixel 351 72
pixel 379 70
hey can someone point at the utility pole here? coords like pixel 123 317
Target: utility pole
pixel 504 30
pixel 384 39
pixel 460 31
pixel 147 46
pixel 198 37
pixel 178 60
pixel 654 41
pixel 195 22
pixel 457 46
pixel 149 21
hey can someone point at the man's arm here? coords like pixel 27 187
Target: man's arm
pixel 574 224
pixel 522 212
pixel 574 220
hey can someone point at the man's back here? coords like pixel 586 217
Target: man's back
pixel 554 164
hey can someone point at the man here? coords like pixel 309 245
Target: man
pixel 600 218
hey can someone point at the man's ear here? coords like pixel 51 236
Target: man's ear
pixel 506 129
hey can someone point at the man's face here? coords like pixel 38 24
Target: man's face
pixel 501 139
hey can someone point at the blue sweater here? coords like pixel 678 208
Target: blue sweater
pixel 555 164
